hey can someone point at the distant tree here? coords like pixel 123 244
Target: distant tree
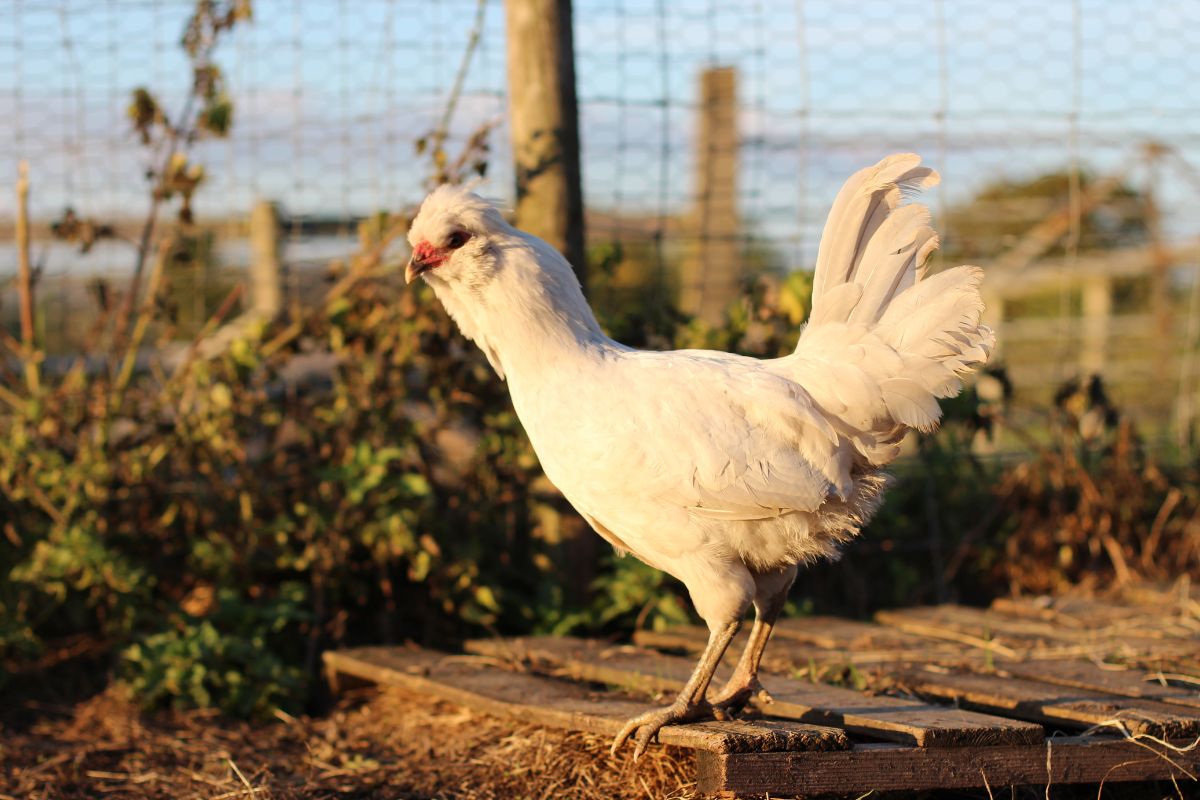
pixel 1003 211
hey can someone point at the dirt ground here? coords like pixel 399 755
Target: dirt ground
pixel 372 745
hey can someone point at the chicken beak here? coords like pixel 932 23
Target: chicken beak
pixel 416 267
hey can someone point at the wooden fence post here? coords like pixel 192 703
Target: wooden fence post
pixel 713 271
pixel 544 118
pixel 993 317
pixel 1097 314
pixel 1160 264
pixel 266 274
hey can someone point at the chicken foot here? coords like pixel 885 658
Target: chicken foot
pixel 690 705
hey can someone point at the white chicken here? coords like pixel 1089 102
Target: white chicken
pixel 724 471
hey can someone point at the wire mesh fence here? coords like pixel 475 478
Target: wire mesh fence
pixel 1068 136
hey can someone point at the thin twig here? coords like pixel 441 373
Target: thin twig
pixel 438 137
pixel 1141 739
pixel 238 772
pixel 166 151
pixel 1173 498
pixel 184 131
pixel 143 321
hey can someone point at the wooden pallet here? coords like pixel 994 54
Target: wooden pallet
pixel 990 698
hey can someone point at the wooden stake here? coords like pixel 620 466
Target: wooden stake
pixel 266 273
pixel 25 277
pixel 1160 269
pixel 713 272
pixel 545 125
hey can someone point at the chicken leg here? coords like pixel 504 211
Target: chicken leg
pixel 770 598
pixel 690 705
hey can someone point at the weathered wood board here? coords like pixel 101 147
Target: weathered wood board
pixel 1092 617
pixel 1107 678
pixel 1182 596
pixel 476 683
pixel 1055 705
pixel 835 633
pixel 880 717
pixel 1088 617
pixel 787 653
pixel 623 667
pixel 1067 612
pixel 1008 638
pixel 884 767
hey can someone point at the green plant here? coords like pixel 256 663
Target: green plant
pixel 240 656
pixel 627 595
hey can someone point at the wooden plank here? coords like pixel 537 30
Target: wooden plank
pixel 823 633
pixel 1109 678
pixel 1094 615
pixel 1046 703
pixel 1070 612
pixel 1007 638
pixel 836 633
pixel 969 626
pixel 621 666
pixel 881 717
pixel 1180 596
pixel 478 684
pixel 785 654
pixel 887 767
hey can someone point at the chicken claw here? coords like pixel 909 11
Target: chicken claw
pixel 734 698
pixel 648 725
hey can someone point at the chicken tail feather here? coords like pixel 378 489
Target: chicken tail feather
pixel 908 336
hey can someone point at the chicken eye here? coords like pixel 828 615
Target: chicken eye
pixel 457 239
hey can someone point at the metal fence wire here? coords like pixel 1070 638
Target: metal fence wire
pixel 726 124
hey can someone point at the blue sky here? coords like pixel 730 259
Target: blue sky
pixel 330 96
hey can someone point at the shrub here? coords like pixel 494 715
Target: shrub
pixel 391 483
pixel 241 656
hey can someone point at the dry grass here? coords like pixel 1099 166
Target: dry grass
pixel 390 745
